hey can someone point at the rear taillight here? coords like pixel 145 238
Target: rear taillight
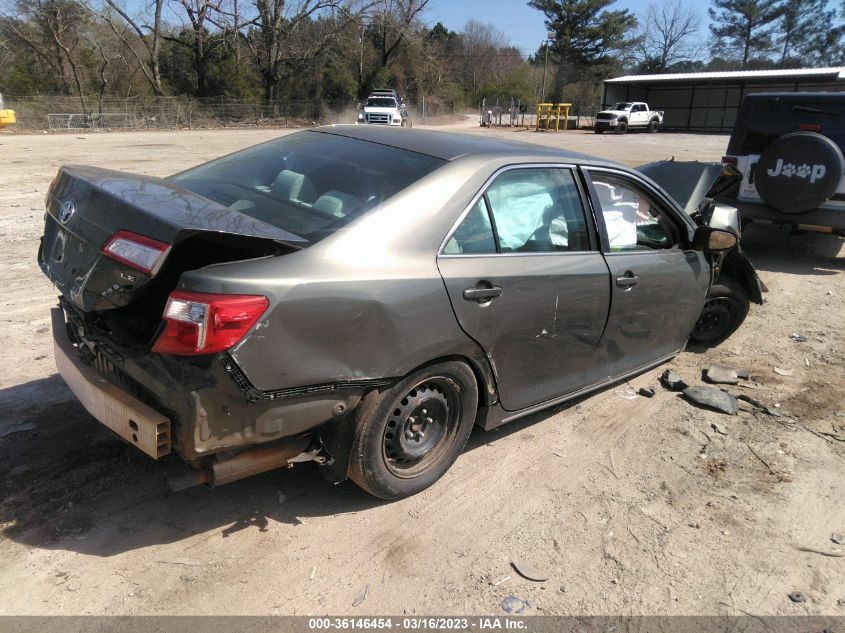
pixel 729 160
pixel 203 323
pixel 810 127
pixel 138 251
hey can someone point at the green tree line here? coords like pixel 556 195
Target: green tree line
pixel 335 51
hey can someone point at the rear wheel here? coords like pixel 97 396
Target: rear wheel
pixel 621 127
pixel 724 311
pixel 408 436
pixel 652 126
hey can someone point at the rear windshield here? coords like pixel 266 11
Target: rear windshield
pixel 770 119
pixel 310 183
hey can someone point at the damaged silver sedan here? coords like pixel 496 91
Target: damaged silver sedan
pixel 361 297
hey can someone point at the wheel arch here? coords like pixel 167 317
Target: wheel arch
pixel 338 436
pixel 737 266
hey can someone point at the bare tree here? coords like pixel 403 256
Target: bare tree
pixel 281 41
pixel 201 13
pixel 141 39
pixel 392 21
pixel 55 31
pixel 667 36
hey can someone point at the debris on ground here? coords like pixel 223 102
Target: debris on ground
pixel 647 392
pixel 712 398
pixel 797 596
pixel 838 538
pixel 721 429
pixel 672 381
pixel 798 338
pixel 361 595
pixel 500 581
pixel 822 552
pixel 18 428
pixel 784 372
pixel 514 605
pixel 723 375
pixel 529 572
pixel 756 403
pixel 627 393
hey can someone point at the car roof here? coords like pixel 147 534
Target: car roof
pixel 450 146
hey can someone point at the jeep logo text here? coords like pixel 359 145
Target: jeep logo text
pixel 789 170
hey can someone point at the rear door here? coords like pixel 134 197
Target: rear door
pixel 527 281
pixel 658 282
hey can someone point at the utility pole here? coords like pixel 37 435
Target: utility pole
pixel 549 37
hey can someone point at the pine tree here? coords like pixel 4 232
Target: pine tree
pixel 803 28
pixel 586 35
pixel 747 25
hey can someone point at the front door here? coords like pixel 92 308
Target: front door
pixel 528 283
pixel 658 283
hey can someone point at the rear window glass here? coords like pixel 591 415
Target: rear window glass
pixel 310 183
pixel 772 119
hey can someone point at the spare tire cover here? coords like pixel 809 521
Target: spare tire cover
pixel 799 171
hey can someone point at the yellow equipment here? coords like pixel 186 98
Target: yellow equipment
pixel 7 117
pixel 552 111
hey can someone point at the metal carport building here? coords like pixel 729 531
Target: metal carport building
pixel 710 101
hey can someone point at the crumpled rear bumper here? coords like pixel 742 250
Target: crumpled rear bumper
pixel 200 401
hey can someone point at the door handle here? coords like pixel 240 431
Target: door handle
pixel 482 294
pixel 628 281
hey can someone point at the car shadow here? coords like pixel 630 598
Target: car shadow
pixel 68 483
pixel 775 249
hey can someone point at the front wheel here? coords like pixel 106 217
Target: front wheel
pixel 621 127
pixel 408 436
pixel 724 311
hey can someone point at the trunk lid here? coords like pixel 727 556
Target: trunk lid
pixel 87 205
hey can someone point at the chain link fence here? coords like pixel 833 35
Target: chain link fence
pixel 44 112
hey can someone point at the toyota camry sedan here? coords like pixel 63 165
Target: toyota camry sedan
pixel 361 297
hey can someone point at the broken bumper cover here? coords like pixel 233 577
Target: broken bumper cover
pixel 124 414
pixel 202 401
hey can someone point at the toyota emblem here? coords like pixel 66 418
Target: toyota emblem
pixel 66 211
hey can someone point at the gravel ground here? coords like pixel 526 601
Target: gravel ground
pixel 632 506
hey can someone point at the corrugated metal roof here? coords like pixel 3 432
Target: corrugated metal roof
pixel 837 73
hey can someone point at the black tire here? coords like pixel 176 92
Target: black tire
pixel 598 130
pixel 652 126
pixel 621 127
pixel 408 436
pixel 724 311
pixel 799 172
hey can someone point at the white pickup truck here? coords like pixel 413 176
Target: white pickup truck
pixel 384 108
pixel 625 115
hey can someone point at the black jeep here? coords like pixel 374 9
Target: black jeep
pixel 788 147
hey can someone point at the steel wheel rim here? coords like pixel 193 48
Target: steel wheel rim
pixel 717 316
pixel 421 428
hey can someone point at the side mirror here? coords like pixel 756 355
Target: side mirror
pixel 713 240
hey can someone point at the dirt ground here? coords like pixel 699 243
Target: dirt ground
pixel 633 506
